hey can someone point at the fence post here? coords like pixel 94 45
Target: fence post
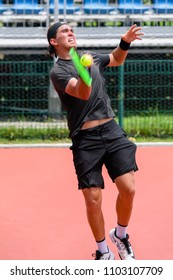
pixel 54 103
pixel 121 94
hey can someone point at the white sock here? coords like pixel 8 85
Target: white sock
pixel 121 231
pixel 102 246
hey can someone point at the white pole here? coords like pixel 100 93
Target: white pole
pixel 47 12
pixel 65 9
pixel 56 10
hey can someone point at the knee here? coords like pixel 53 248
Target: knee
pixel 93 199
pixel 126 186
pixel 127 194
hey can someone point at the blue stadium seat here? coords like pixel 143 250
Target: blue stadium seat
pixel 26 7
pixel 132 7
pixel 163 6
pixel 69 8
pixel 3 8
pixel 97 7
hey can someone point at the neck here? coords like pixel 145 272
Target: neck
pixel 63 53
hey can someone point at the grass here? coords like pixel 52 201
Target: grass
pixel 155 128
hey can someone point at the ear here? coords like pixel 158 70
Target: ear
pixel 53 42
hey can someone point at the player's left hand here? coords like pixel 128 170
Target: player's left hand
pixel 132 34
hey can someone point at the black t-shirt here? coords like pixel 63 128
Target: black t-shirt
pixel 79 111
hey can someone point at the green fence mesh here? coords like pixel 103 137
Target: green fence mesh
pixel 141 92
pixel 144 97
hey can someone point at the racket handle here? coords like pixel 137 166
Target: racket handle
pixel 82 71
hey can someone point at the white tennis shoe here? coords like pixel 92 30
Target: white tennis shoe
pixel 124 247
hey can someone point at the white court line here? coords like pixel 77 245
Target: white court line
pixel 67 145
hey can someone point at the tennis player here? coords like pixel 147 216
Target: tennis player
pixel 97 139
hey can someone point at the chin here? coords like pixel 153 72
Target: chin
pixel 74 46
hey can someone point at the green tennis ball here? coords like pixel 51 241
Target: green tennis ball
pixel 86 60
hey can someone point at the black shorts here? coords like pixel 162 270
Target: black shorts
pixel 106 144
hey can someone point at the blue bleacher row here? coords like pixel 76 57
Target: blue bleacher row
pixel 89 7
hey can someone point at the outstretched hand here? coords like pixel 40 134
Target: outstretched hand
pixel 132 34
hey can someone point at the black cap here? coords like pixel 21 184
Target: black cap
pixel 51 34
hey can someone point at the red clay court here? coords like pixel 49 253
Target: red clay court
pixel 42 214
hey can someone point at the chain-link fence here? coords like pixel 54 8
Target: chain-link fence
pixel 141 90
pixel 141 93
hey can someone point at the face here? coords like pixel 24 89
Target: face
pixel 64 39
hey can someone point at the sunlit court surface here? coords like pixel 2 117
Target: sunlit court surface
pixel 42 212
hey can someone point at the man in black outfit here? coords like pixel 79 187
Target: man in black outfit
pixel 97 139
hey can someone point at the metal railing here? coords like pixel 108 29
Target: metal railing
pixel 44 14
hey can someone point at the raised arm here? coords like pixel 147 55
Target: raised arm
pixel 119 54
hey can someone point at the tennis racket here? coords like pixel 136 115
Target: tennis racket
pixel 82 71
